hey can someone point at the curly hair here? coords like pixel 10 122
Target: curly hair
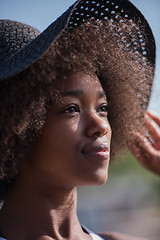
pixel 93 49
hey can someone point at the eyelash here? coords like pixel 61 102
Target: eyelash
pixel 69 109
pixel 74 108
pixel 104 107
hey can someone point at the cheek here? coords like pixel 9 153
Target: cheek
pixel 109 132
pixel 60 137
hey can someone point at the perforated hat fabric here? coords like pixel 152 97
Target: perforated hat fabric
pixel 22 45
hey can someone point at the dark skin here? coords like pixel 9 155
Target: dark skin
pixel 147 149
pixel 72 150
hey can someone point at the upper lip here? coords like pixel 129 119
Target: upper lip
pixel 91 148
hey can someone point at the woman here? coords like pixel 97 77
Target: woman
pixel 55 91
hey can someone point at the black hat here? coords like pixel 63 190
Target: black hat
pixel 22 45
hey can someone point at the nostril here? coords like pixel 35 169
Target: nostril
pixel 98 134
pixel 101 133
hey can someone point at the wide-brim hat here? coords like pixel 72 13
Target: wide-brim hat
pixel 21 46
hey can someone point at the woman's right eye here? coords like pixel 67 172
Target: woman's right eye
pixel 71 109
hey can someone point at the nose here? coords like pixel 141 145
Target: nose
pixel 97 126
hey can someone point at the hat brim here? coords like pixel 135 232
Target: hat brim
pixel 30 53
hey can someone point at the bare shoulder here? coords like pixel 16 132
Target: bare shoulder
pixel 119 236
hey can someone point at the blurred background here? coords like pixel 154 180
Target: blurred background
pixel 130 200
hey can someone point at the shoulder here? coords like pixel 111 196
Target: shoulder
pixel 119 236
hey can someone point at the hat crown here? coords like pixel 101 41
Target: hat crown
pixel 9 45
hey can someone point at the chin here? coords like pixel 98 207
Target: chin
pixel 98 178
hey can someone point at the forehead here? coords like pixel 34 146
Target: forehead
pixel 80 80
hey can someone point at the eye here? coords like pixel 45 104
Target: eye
pixel 71 109
pixel 103 108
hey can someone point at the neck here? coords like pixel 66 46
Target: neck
pixel 32 210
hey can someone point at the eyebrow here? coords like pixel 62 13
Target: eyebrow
pixel 101 94
pixel 76 93
pixel 72 93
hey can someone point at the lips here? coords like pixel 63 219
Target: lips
pixel 97 151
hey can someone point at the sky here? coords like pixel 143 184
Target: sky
pixel 40 13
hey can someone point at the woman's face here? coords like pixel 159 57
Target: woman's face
pixel 74 147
